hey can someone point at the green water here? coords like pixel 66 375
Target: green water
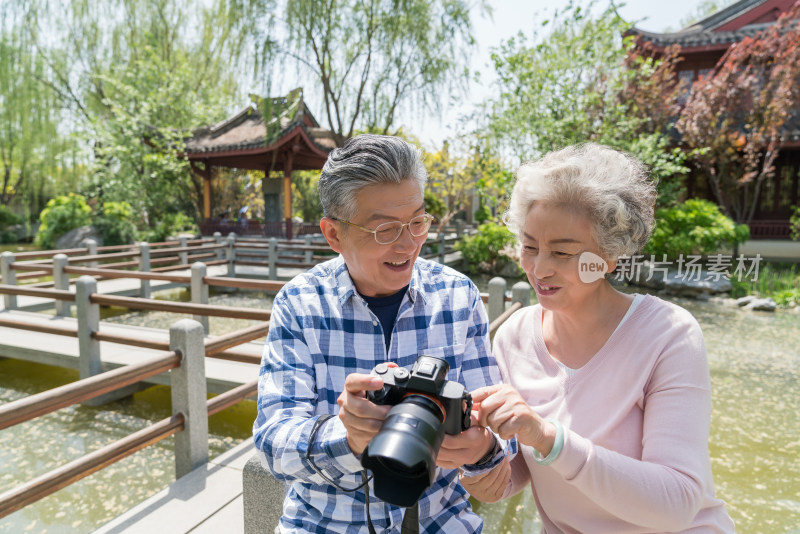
pixel 755 436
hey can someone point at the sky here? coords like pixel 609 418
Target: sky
pixel 512 16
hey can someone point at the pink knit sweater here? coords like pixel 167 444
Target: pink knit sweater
pixel 636 420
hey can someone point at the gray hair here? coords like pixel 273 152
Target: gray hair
pixel 612 188
pixel 367 160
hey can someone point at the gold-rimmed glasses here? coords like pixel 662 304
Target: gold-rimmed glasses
pixel 388 232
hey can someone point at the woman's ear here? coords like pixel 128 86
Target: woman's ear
pixel 332 233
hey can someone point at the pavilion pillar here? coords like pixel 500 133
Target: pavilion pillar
pixel 207 190
pixel 287 193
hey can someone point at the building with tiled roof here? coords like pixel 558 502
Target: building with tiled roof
pixel 289 139
pixel 702 45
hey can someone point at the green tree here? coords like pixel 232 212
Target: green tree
pixel 578 79
pixel 370 58
pixel 305 196
pixel 62 214
pixel 115 222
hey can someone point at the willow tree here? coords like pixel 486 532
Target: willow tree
pixel 368 59
pixel 135 75
pixel 578 78
pixel 30 148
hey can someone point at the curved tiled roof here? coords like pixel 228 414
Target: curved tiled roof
pixel 697 37
pixel 247 130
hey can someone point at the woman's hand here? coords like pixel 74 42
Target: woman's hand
pixel 489 486
pixel 503 409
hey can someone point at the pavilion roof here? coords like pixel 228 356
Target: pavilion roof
pixel 718 31
pixel 244 139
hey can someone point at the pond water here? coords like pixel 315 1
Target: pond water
pixel 755 436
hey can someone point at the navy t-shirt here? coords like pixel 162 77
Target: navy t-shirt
pixel 386 308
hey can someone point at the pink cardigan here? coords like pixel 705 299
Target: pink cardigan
pixel 636 420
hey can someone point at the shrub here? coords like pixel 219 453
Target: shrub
pixel 60 215
pixel 7 219
pixel 794 222
pixel 693 227
pixel 434 205
pixel 488 250
pixel 170 225
pixel 483 214
pixel 115 224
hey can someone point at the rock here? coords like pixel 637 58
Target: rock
pixel 762 305
pixel 76 238
pixel 744 301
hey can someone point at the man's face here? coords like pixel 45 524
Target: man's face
pixel 379 270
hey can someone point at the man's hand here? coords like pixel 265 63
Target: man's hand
pixel 361 418
pixel 465 448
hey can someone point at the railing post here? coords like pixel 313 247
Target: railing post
pixel 231 255
pixel 183 257
pixel 441 246
pixel 218 241
pixel 9 278
pixel 497 298
pixel 91 245
pixel 200 291
pixel 61 281
pixel 460 227
pixel 189 392
pixel 521 292
pixel 309 253
pixel 88 314
pixel 262 497
pixel 144 267
pixel 273 258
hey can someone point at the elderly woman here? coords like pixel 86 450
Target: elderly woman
pixel 608 394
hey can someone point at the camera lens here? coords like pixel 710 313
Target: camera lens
pixel 402 456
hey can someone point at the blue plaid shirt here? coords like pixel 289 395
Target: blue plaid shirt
pixel 321 330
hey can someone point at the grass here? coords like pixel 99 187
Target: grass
pixel 780 281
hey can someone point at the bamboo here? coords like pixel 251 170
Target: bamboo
pixel 44 485
pixel 19 411
pixel 136 303
pixel 229 398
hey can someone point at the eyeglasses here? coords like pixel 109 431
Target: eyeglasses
pixel 387 233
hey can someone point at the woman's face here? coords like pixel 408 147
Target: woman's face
pixel 553 240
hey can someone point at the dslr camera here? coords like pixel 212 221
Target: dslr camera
pixel 425 406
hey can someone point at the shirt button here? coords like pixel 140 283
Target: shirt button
pixel 374 323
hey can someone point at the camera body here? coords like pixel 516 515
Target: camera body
pixel 428 378
pixel 425 406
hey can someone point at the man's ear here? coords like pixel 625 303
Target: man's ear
pixel 332 234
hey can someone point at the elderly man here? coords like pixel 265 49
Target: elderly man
pixel 377 302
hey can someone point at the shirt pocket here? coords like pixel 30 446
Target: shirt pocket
pixel 452 354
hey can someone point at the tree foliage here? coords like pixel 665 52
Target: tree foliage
pixel 740 111
pixel 578 79
pixel 371 58
pixel 489 250
pixel 62 214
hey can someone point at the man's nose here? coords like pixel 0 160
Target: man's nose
pixel 406 241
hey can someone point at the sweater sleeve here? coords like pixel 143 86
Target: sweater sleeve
pixel 287 405
pixel 664 490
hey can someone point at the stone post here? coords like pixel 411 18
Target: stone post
pixel 231 255
pixel 189 394
pixel 88 315
pixel 309 253
pixel 218 241
pixel 441 246
pixel 460 228
pixel 497 298
pixel 200 291
pixel 144 267
pixel 61 281
pixel 273 258
pixel 91 245
pixel 521 292
pixel 9 278
pixel 183 257
pixel 262 496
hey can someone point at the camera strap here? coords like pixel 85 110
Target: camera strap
pixel 411 520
